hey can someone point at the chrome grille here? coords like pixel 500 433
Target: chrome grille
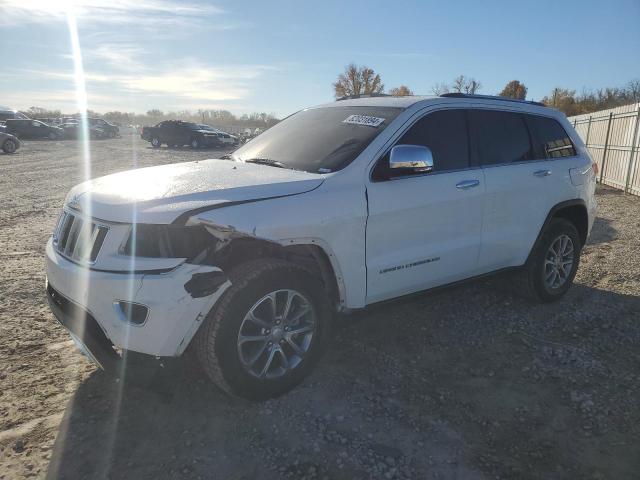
pixel 78 239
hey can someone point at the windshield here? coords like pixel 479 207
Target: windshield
pixel 202 126
pixel 319 139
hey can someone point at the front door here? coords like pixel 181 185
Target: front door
pixel 424 229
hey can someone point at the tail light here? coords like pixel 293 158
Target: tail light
pixel 595 168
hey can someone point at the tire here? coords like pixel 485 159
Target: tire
pixel 9 146
pixel 535 278
pixel 52 136
pixel 155 142
pixel 195 143
pixel 217 344
pixel 111 134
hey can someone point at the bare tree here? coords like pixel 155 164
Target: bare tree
pixel 460 84
pixel 400 91
pixel 440 88
pixel 514 89
pixel 633 90
pixel 472 86
pixel 357 80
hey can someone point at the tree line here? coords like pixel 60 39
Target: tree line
pixel 219 118
pixel 363 80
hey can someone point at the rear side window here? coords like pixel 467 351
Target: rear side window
pixel 445 133
pixel 550 140
pixel 500 137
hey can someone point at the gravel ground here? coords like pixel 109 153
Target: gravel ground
pixel 470 382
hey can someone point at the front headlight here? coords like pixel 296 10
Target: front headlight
pixel 167 241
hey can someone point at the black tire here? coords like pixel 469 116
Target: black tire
pixel 195 143
pixel 532 278
pixel 216 341
pixel 155 142
pixel 52 136
pixel 9 146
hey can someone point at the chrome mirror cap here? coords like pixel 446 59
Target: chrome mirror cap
pixel 416 157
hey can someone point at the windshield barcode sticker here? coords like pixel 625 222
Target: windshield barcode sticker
pixel 364 120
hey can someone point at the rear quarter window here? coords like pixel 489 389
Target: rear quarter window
pixel 550 139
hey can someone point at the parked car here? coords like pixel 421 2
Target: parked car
pixel 176 133
pixel 26 128
pixel 72 130
pixel 110 130
pixel 9 143
pixel 245 258
pixel 7 113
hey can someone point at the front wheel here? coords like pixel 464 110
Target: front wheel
pixel 550 271
pixel 268 330
pixel 52 136
pixel 9 146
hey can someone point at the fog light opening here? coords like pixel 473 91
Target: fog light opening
pixel 131 312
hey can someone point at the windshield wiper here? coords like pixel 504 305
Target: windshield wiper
pixel 266 161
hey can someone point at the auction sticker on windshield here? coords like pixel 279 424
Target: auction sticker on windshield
pixel 364 120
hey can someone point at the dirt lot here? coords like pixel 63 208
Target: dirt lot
pixel 470 382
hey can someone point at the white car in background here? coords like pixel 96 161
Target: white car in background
pixel 245 258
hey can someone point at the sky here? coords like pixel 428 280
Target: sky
pixel 280 56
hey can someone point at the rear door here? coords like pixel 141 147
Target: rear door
pixel 423 229
pixel 568 169
pixel 516 202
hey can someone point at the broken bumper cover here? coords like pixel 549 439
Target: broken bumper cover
pixel 174 314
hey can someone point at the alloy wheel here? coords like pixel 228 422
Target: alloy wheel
pixel 558 262
pixel 276 334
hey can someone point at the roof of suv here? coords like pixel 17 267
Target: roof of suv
pixel 407 101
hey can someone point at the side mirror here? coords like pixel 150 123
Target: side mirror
pixel 416 157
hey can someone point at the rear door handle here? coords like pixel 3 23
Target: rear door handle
pixel 465 184
pixel 542 173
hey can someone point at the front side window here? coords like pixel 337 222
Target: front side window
pixel 500 137
pixel 445 133
pixel 319 140
pixel 550 140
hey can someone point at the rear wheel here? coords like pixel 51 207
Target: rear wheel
pixel 267 332
pixel 52 136
pixel 155 142
pixel 195 142
pixel 550 271
pixel 9 146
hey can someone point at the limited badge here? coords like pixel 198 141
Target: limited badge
pixel 364 120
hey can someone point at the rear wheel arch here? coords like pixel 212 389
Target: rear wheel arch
pixel 575 211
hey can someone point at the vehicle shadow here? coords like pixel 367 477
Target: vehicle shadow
pixel 602 232
pixel 165 420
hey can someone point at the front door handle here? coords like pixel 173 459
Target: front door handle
pixel 542 173
pixel 465 184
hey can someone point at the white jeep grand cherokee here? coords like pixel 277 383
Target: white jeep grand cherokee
pixel 337 207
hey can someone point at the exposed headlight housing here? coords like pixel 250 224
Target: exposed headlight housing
pixel 166 241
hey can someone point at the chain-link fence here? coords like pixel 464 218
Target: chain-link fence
pixel 613 139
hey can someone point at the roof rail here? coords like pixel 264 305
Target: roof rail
pixel 490 97
pixel 364 95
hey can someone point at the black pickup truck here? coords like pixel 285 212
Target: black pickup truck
pixel 176 133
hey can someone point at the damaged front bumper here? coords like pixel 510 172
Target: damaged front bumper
pixel 177 302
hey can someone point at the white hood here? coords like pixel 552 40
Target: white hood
pixel 160 194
